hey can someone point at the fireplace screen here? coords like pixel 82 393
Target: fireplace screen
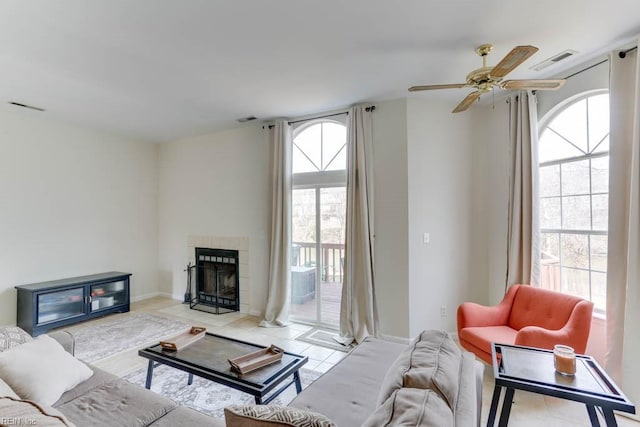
pixel 214 281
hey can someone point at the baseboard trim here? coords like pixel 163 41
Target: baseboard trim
pixel 156 294
pixel 144 296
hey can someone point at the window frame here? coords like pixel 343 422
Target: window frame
pixel 334 178
pixel 542 126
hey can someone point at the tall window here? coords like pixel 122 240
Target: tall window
pixel 574 196
pixel 318 213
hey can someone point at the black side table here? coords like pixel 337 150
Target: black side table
pixel 531 369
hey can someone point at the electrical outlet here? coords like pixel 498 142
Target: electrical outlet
pixel 443 311
pixel 425 238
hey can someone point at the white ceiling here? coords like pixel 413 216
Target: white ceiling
pixel 160 70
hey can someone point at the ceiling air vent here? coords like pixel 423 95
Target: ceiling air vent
pixel 247 119
pixel 554 60
pixel 18 104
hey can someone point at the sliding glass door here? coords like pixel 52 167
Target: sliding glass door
pixel 318 223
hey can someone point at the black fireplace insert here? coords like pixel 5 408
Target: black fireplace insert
pixel 213 282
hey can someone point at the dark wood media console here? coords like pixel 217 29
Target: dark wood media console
pixel 48 305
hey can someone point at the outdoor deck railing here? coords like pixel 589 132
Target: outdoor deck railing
pixel 332 256
pixel 550 272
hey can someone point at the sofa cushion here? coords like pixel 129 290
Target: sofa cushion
pixel 12 336
pixel 347 392
pixel 6 391
pixel 98 379
pixel 41 370
pixel 128 404
pixel 431 361
pixel 24 412
pixel 184 416
pixel 412 407
pixel 273 416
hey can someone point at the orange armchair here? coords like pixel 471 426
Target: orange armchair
pixel 528 316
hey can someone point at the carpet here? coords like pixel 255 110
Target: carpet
pixel 97 342
pixel 207 396
pixel 324 338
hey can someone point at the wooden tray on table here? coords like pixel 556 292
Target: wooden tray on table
pixel 184 339
pixel 257 359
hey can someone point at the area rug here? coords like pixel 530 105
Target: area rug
pixel 323 338
pixel 97 342
pixel 207 396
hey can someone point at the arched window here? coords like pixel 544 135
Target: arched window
pixel 318 216
pixel 320 147
pixel 573 160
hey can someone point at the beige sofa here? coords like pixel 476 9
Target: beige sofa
pixel 103 400
pixel 431 382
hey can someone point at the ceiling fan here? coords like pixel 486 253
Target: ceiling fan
pixel 486 78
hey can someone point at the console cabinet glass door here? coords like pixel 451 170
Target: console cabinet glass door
pixel 59 305
pixel 106 295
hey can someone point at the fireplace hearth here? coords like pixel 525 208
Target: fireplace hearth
pixel 213 281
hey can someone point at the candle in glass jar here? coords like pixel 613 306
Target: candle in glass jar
pixel 564 359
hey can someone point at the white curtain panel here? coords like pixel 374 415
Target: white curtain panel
pixel 358 310
pixel 523 248
pixel 278 301
pixel 623 260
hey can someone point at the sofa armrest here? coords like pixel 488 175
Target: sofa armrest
pixel 66 339
pixel 575 333
pixel 479 384
pixel 471 314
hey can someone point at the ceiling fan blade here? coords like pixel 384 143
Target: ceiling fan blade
pixel 533 84
pixel 517 56
pixel 433 87
pixel 466 103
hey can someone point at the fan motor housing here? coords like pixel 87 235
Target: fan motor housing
pixel 481 79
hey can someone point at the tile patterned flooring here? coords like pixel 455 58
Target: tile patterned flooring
pixel 528 409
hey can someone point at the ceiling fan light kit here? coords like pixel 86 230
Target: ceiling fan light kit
pixel 487 78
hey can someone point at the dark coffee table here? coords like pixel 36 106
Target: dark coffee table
pixel 531 369
pixel 208 358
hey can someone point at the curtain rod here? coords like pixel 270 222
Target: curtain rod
pixel 621 54
pixel 319 117
pixel 368 109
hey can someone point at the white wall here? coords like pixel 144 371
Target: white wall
pixel 215 185
pixel 595 78
pixel 73 202
pixel 391 217
pixel 444 272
